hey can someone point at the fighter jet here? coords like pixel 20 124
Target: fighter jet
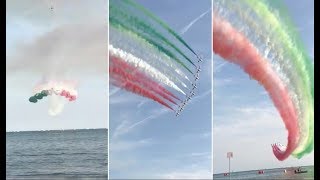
pixel 198 69
pixel 199 59
pixel 177 114
pixel 192 93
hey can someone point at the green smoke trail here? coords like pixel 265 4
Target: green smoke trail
pixel 122 26
pixel 302 64
pixel 300 92
pixel 134 44
pixel 163 24
pixel 131 21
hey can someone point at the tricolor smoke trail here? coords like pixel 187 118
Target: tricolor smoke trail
pixel 250 34
pixel 58 92
pixel 147 57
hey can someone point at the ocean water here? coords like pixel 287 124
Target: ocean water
pixel 57 154
pixel 270 174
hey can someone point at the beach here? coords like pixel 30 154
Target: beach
pixel 277 173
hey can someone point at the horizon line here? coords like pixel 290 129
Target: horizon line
pixel 56 130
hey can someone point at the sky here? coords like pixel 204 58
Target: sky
pixel 244 119
pixel 147 140
pixel 68 43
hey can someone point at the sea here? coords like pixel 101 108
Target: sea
pixel 277 173
pixel 58 154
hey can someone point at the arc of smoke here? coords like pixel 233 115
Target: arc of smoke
pixel 232 46
pixel 119 67
pixel 143 65
pixel 163 24
pixel 133 22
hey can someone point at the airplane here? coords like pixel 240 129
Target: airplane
pixel 177 114
pixel 198 69
pixel 192 93
pixel 194 86
pixel 199 59
pixel 197 77
pixel 188 98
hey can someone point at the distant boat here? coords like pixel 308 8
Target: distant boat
pixel 299 171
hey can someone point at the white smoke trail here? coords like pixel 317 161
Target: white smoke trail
pixel 56 101
pixel 185 29
pixel 158 60
pixel 56 105
pixel 129 58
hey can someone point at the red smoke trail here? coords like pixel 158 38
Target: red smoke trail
pixel 140 77
pixel 129 86
pixel 236 48
pixel 126 80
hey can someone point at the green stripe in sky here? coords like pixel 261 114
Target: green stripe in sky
pixel 163 24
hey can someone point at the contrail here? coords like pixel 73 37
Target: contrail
pixel 186 28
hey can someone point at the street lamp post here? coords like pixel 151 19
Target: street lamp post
pixel 229 156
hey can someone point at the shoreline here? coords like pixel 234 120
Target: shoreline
pixel 287 168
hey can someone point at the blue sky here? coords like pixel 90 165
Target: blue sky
pixel 71 44
pixel 147 140
pixel 244 118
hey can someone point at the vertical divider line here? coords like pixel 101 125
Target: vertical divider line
pixel 212 74
pixel 108 107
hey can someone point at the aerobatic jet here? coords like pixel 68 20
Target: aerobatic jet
pixel 198 69
pixel 199 59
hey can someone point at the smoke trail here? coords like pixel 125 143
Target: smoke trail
pixel 120 68
pixel 267 42
pixel 129 58
pixel 129 86
pixel 163 24
pixel 303 68
pixel 234 47
pixel 134 24
pixel 56 101
pixel 137 46
pixel 142 43
pixel 185 29
pixel 56 105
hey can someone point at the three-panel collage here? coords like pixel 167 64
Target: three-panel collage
pixel 170 89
